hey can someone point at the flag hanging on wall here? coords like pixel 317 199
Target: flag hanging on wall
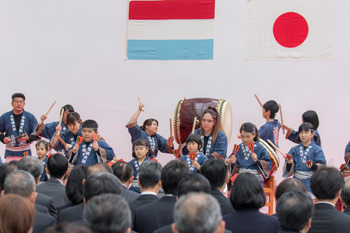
pixel 290 29
pixel 170 30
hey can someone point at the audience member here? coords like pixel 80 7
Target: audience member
pixel 97 168
pixel 326 184
pixel 67 228
pixel 294 211
pixel 345 196
pixel 247 197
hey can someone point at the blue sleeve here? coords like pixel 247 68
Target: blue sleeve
pixel 264 155
pixel 319 157
pixel 183 158
pixel 162 144
pixel 263 132
pixel 347 148
pixel 203 159
pixel 2 125
pixel 135 132
pixel 294 136
pixel 221 144
pixel 49 130
pixel 32 123
pixel 64 136
pixel 109 151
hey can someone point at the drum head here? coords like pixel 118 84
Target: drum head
pixel 225 111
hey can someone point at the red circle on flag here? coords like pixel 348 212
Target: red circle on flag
pixel 290 29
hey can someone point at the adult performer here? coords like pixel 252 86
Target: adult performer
pixel 15 123
pixel 213 138
pixel 148 131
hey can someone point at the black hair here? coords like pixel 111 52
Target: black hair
pixel 326 182
pixel 294 210
pixel 345 192
pixel 123 171
pixel 247 192
pixel 193 183
pixel 73 117
pixel 306 126
pixel 148 122
pixel 74 187
pixel 250 128
pixel 172 173
pixel 90 124
pixel 141 142
pixel 7 168
pixel 311 117
pixel 97 168
pixel 65 227
pixel 44 143
pixel 149 174
pixel 57 164
pixel 288 184
pixel 18 95
pixel 195 138
pixel 100 183
pixel 67 107
pixel 271 106
pixel 215 170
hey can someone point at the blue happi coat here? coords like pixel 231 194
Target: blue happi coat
pixel 135 167
pixel 270 131
pixel 244 156
pixel 294 136
pixel 50 130
pixel 200 158
pixel 43 175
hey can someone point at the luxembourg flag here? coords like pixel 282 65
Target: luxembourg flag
pixel 290 29
pixel 170 30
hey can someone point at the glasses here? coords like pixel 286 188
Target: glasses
pixel 207 121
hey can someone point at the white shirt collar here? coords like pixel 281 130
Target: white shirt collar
pixel 148 193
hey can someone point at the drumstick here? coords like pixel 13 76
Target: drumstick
pixel 140 102
pixel 281 117
pixel 283 154
pixel 194 124
pixel 171 128
pixel 61 140
pixel 239 126
pixel 62 111
pixel 258 100
pixel 47 112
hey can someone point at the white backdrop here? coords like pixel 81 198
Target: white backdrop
pixel 74 52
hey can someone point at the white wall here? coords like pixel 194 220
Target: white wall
pixel 74 52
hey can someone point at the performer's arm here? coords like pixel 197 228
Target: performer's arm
pixel 133 119
pixel 220 146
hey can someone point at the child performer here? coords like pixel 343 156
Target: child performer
pixel 194 143
pixel 258 162
pixel 308 116
pixel 141 152
pixel 91 150
pixel 148 131
pixel 42 148
pixel 272 127
pixel 305 158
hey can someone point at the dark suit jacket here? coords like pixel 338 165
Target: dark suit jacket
pixel 141 201
pixel 47 202
pixel 167 229
pixel 328 219
pixel 225 204
pixel 42 221
pixel 288 231
pixel 251 220
pixel 150 217
pixel 347 210
pixel 129 196
pixel 54 189
pixel 71 214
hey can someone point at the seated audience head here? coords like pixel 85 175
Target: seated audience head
pixel 345 193
pixel 215 171
pixel 35 166
pixel 57 166
pixel 197 213
pixel 295 210
pixel 97 168
pixel 326 183
pixel 21 183
pixel 247 192
pixel 123 171
pixel 16 214
pixel 171 175
pixel 7 168
pixel 67 228
pixel 100 183
pixel 193 183
pixel 288 184
pixel 74 187
pixel 149 175
pixel 108 213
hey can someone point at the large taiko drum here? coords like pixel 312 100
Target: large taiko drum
pixel 275 162
pixel 187 109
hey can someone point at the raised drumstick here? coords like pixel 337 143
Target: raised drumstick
pixel 62 111
pixel 47 112
pixel 281 117
pixel 194 124
pixel 61 140
pixel 140 102
pixel 171 128
pixel 283 154
pixel 258 100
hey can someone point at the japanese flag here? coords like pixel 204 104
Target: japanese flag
pixel 290 29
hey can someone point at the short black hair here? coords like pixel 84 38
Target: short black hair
pixel 288 184
pixel 193 183
pixel 326 182
pixel 195 138
pixel 311 117
pixel 141 142
pixel 7 168
pixel 345 192
pixel 122 170
pixel 97 168
pixel 306 126
pixel 57 164
pixel 100 183
pixel 294 209
pixel 250 128
pixel 247 192
pixel 74 186
pixel 68 108
pixel 215 171
pixel 149 174
pixel 90 124
pixel 73 117
pixel 172 173
pixel 271 106
pixel 18 95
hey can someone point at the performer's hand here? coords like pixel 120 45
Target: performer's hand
pixel 290 161
pixel 239 135
pixel 25 138
pixel 7 140
pixel 43 117
pixel 233 159
pixel 254 157
pixel 75 148
pixel 68 146
pixel 195 164
pixel 58 128
pixel 170 141
pixel 283 126
pixel 141 105
pixel 95 145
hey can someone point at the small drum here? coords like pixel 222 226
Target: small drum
pixel 187 109
pixel 275 161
